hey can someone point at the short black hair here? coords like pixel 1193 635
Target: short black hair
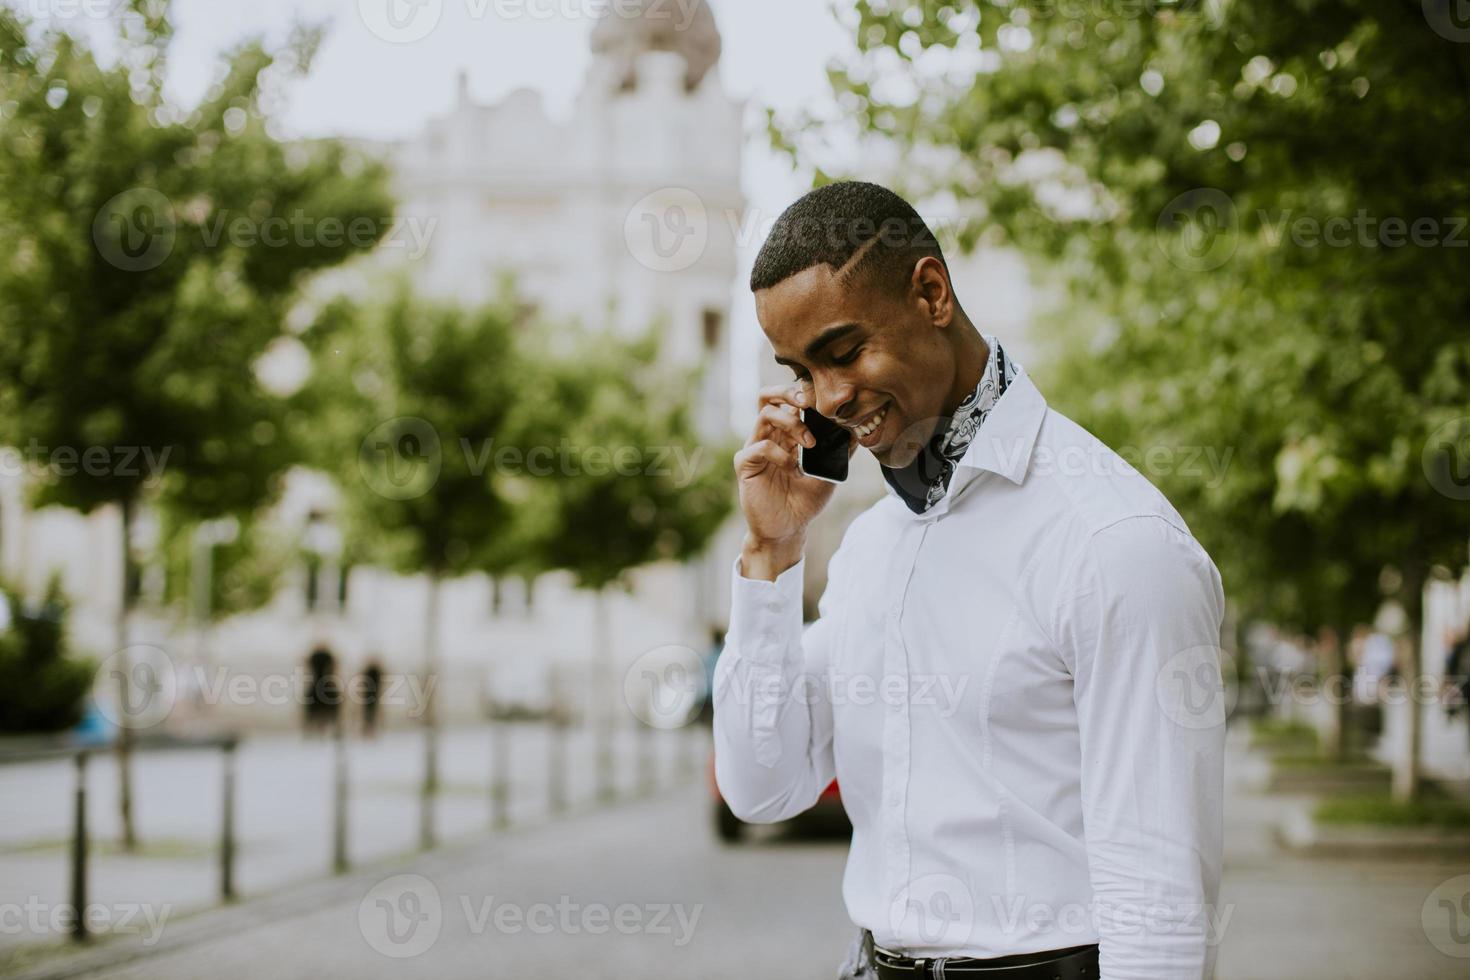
pixel 833 223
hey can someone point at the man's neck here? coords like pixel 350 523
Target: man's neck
pixel 969 366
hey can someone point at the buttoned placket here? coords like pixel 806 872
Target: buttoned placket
pixel 896 732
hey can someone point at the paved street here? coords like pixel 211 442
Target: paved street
pixel 284 809
pixel 696 907
pixel 644 889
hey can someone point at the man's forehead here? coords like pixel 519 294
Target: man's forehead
pixel 804 304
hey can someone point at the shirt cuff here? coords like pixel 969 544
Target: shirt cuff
pixel 765 617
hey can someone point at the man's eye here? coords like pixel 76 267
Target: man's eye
pixel 849 357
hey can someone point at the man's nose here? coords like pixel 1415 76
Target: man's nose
pixel 831 397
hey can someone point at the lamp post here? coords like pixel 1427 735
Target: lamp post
pixel 207 534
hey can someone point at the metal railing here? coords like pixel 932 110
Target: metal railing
pixel 80 754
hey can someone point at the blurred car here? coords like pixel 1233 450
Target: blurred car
pixel 827 815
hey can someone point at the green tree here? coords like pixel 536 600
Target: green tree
pixel 1254 202
pixel 655 494
pixel 42 688
pixel 153 252
pixel 409 401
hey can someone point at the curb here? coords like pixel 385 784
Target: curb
pixel 1301 833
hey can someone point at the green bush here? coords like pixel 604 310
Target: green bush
pixel 1435 810
pixel 42 689
pixel 1283 728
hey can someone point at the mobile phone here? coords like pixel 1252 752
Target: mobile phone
pixel 827 460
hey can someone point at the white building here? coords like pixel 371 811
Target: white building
pixel 621 213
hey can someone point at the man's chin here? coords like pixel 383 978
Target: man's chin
pixel 896 455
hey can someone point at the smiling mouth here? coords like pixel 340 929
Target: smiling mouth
pixel 872 424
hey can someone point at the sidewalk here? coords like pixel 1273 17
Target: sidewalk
pixel 1295 918
pixel 284 798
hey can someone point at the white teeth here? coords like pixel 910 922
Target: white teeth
pixel 867 430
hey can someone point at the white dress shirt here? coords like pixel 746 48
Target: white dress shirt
pixel 1018 692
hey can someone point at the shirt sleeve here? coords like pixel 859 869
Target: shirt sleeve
pixel 772 704
pixel 1138 623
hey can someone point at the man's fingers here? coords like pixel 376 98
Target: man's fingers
pixel 753 459
pixel 791 393
pixel 784 420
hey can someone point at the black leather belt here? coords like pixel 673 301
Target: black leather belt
pixel 1075 963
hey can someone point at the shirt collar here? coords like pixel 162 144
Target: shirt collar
pixel 1004 445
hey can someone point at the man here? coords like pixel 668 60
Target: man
pixel 1014 675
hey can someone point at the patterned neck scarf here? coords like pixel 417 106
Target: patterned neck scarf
pixel 923 483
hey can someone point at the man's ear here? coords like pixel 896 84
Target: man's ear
pixel 930 283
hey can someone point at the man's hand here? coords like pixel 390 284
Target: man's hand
pixel 779 501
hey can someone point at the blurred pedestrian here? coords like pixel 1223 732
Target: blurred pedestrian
pixel 323 694
pixel 372 685
pixel 1457 677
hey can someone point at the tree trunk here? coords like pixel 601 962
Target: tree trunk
pixel 1337 741
pixel 602 696
pixel 124 672
pixel 430 789
pixel 1406 774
